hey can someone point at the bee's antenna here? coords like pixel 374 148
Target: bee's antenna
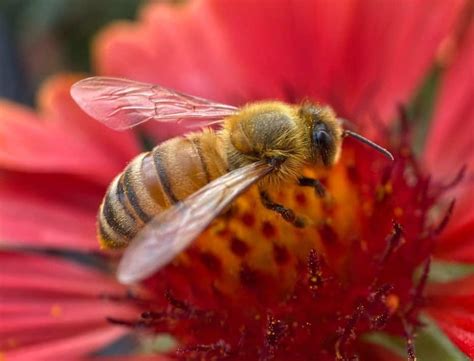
pixel 368 142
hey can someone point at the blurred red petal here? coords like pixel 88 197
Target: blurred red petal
pixel 463 339
pixel 462 320
pixel 454 124
pixel 457 295
pixel 51 308
pixel 62 139
pixel 346 54
pixel 452 306
pixel 459 327
pixel 52 277
pixel 454 117
pixel 67 348
pixel 457 243
pixel 48 210
pixel 131 358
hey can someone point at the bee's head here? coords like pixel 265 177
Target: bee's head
pixel 325 132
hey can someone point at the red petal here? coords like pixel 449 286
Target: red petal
pixel 453 123
pixel 63 139
pixel 452 306
pixel 53 309
pixel 461 320
pixel 450 141
pixel 457 243
pixel 459 327
pixel 67 348
pixel 48 211
pixel 458 294
pixel 132 358
pixel 352 54
pixel 50 277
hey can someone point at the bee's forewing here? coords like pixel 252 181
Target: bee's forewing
pixel 121 104
pixel 172 231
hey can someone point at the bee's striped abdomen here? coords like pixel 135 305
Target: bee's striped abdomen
pixel 126 207
pixel 156 180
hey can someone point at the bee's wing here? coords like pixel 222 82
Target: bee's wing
pixel 172 231
pixel 121 104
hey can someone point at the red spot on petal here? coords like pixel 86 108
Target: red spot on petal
pixel 301 199
pixel 280 254
pixel 248 219
pixel 327 233
pixel 248 276
pixel 211 262
pixel 239 247
pixel 268 230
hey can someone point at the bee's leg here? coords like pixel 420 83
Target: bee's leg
pixel 287 214
pixel 314 183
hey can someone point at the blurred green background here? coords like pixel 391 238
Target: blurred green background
pixel 41 37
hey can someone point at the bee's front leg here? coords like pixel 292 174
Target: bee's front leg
pixel 314 183
pixel 287 213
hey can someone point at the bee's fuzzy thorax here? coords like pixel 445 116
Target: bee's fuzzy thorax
pixel 267 130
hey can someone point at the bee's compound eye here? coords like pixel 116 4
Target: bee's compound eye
pixel 323 142
pixel 322 138
pixel 321 135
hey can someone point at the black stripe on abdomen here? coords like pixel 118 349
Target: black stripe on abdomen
pixel 126 180
pixel 111 217
pixel 109 238
pixel 164 180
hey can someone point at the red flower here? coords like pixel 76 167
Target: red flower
pixel 276 291
pixel 51 309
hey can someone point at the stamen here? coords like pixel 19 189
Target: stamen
pixel 217 349
pixel 178 304
pixel 380 293
pixel 152 315
pixel 129 323
pixel 379 321
pixel 405 128
pixel 128 297
pixel 276 330
pixel 348 332
pixel 408 331
pixel 315 280
pixel 392 243
pixel 376 300
pixel 181 310
pixel 446 218
pixel 417 298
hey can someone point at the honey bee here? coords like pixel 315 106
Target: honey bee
pixel 166 197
